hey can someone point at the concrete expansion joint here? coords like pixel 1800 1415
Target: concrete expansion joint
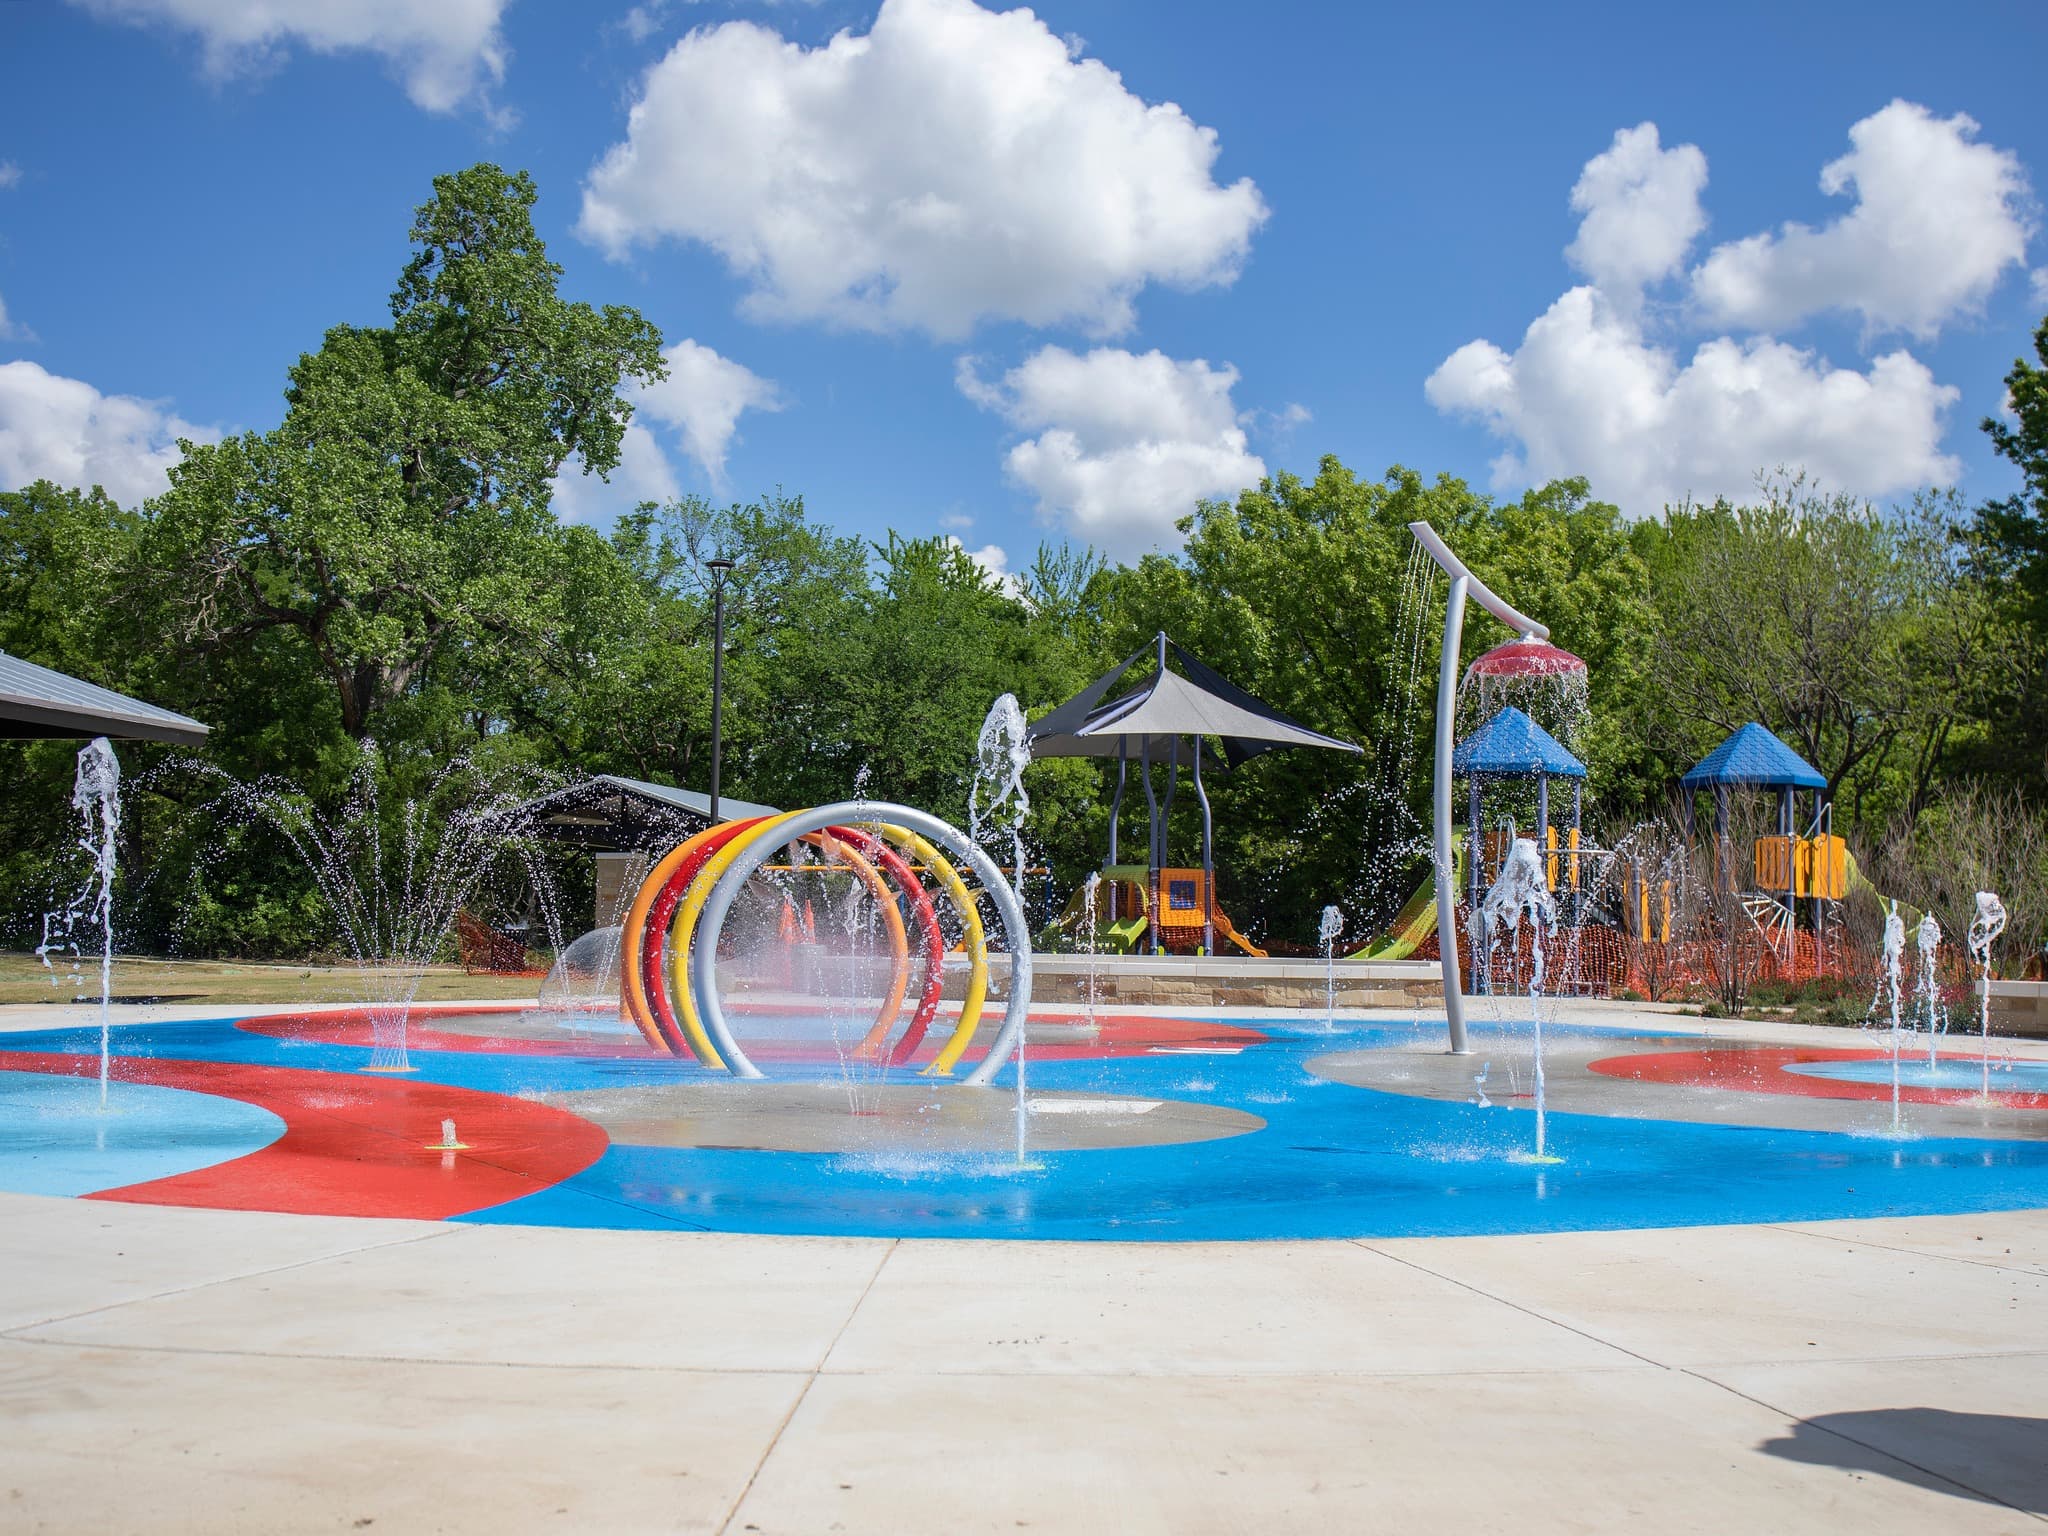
pixel 452 1362
pixel 211 1281
pixel 796 1404
pixel 2033 1271
pixel 1526 1311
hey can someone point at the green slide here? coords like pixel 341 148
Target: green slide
pixel 1416 920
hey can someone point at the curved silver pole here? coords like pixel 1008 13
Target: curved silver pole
pixel 1475 589
pixel 704 951
pixel 1446 885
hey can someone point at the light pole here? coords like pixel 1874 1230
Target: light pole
pixel 719 568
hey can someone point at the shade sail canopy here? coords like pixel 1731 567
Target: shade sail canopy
pixel 1512 746
pixel 38 702
pixel 1754 759
pixel 1151 718
pixel 612 814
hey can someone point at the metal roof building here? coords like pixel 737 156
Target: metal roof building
pixel 40 702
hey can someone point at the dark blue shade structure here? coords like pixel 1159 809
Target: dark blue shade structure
pixel 1755 759
pixel 1512 746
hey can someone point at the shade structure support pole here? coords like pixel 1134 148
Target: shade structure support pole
pixel 1152 848
pixel 1166 806
pixel 1116 808
pixel 1208 859
pixel 1446 881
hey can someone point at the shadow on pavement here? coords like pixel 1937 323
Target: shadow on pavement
pixel 1993 1457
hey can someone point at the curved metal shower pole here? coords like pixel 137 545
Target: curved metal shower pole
pixel 1464 585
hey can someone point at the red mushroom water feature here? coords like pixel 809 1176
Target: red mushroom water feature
pixel 1524 658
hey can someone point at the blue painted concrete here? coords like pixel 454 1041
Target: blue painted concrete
pixel 1951 1073
pixel 56 1140
pixel 1332 1160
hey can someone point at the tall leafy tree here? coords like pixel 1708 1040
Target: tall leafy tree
pixel 2015 559
pixel 401 509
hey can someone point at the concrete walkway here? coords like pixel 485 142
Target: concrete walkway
pixel 204 1371
pixel 219 1372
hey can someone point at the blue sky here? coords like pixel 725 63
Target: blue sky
pixel 978 335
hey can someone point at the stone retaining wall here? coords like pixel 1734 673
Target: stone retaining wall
pixel 2017 1008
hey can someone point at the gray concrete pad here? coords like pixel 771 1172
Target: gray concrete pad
pixel 1978 1422
pixel 1425 1070
pixel 483 1379
pixel 2008 1240
pixel 1722 1295
pixel 68 1257
pixel 1640 1450
pixel 527 1296
pixel 900 1119
pixel 103 1441
pixel 1189 1309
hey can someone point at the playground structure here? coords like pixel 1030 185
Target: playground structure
pixel 1787 866
pixel 670 938
pixel 1177 903
pixel 1188 918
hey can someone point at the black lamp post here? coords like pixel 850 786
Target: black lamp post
pixel 719 569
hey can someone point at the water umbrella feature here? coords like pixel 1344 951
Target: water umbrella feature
pixel 1464 587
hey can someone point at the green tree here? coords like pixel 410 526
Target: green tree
pixel 401 510
pixel 2014 556
pixel 1863 639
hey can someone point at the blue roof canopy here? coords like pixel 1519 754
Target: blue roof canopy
pixel 1755 759
pixel 1512 746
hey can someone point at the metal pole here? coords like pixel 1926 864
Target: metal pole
pixel 1116 806
pixel 719 570
pixel 1208 860
pixel 1446 886
pixel 1152 847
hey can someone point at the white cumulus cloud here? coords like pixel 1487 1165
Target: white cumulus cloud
pixel 994 562
pixel 702 398
pixel 1600 388
pixel 700 404
pixel 54 428
pixel 952 165
pixel 1123 444
pixel 1642 211
pixel 1937 220
pixel 643 473
pixel 446 52
pixel 1586 393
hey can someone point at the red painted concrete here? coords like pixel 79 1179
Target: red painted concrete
pixel 355 1145
pixel 1761 1069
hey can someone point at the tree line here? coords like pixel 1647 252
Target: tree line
pixel 386 564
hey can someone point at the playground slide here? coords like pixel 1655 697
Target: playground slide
pixel 1858 881
pixel 1416 920
pixel 1226 929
